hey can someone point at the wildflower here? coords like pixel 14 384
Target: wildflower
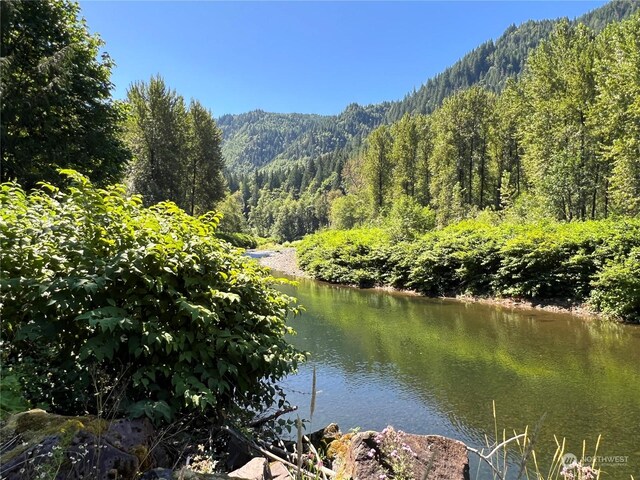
pixel 371 453
pixel 588 473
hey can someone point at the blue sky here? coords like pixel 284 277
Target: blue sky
pixel 306 57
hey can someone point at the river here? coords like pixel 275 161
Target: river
pixel 431 366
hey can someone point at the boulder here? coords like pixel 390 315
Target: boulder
pixel 75 447
pixel 279 471
pixel 256 469
pixel 322 438
pixel 393 454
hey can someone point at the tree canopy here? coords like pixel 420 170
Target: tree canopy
pixel 56 101
pixel 177 150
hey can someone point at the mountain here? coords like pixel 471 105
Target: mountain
pixel 256 139
pixel 492 63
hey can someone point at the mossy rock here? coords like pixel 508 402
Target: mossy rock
pixel 30 428
pixel 74 447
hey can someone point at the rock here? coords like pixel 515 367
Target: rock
pixel 256 469
pixel 390 453
pixel 76 447
pixel 279 471
pixel 322 438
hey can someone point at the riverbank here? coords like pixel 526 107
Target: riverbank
pixel 284 261
pixel 551 265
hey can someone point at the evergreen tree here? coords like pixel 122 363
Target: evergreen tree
pixel 158 136
pixel 55 97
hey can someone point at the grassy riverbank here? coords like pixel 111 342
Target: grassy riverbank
pixel 594 262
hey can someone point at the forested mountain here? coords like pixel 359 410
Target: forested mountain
pixel 492 63
pixel 559 141
pixel 257 138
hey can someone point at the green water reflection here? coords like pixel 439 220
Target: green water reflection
pixel 435 366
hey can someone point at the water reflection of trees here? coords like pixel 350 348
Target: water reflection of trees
pixel 582 374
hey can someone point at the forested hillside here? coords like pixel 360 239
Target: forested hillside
pixel 559 142
pixel 492 63
pixel 257 138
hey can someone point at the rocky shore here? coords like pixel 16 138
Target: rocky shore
pixel 282 261
pixel 36 444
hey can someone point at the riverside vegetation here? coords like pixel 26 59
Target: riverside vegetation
pixel 595 261
pixel 148 300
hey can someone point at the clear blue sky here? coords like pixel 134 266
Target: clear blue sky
pixel 307 57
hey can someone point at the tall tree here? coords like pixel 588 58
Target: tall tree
pixel 616 114
pixel 55 92
pixel 205 162
pixel 461 150
pixel 378 167
pixel 158 135
pixel 559 145
pixel 404 155
pixel 505 145
pixel 424 163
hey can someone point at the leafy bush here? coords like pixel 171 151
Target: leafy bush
pixel 241 240
pixel 617 287
pixel 12 399
pixel 407 219
pixel 542 260
pixel 348 211
pixel 354 257
pixel 458 259
pixel 95 286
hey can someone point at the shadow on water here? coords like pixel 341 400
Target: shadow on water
pixel 433 366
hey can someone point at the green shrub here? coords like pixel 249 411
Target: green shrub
pixel 241 240
pixel 407 219
pixel 356 257
pixel 543 260
pixel 616 288
pixel 460 258
pixel 553 260
pixel 348 211
pixel 95 286
pixel 11 397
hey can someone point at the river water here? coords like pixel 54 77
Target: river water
pixel 431 366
